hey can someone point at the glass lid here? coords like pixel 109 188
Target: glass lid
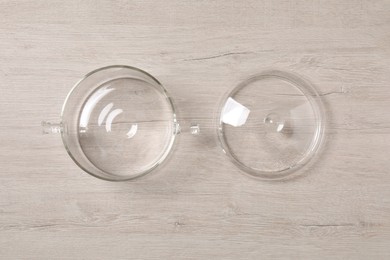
pixel 271 124
pixel 118 123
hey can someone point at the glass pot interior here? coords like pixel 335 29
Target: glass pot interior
pixel 118 123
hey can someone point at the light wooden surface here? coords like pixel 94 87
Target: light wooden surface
pixel 199 206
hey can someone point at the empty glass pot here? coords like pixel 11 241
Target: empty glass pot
pixel 117 123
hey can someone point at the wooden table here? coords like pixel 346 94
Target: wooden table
pixel 199 206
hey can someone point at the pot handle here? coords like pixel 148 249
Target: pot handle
pixel 51 128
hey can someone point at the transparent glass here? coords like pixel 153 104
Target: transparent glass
pixel 117 123
pixel 272 124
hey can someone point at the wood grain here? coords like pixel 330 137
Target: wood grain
pixel 198 206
